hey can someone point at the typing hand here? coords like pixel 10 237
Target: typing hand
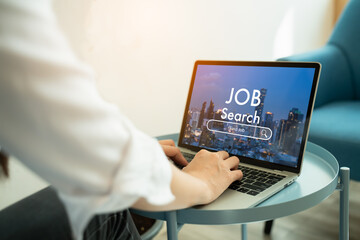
pixel 216 170
pixel 173 152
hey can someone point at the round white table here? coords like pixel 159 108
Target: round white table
pixel 320 177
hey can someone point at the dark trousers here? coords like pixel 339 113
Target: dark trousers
pixel 112 226
pixel 42 216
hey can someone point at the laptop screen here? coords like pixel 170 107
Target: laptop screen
pixel 257 111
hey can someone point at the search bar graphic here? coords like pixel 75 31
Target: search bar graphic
pixel 239 129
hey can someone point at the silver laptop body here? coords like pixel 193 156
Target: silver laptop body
pixel 258 111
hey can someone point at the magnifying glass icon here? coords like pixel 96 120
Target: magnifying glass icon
pixel 263 133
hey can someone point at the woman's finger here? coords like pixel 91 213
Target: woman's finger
pixel 167 142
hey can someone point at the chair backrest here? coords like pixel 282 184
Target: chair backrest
pixel 346 36
pixel 335 82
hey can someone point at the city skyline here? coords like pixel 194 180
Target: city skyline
pixel 285 87
pixel 272 98
pixel 283 147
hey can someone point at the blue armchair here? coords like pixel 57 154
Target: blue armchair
pixel 335 124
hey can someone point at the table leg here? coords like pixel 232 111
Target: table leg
pixel 171 225
pixel 268 226
pixel 243 232
pixel 344 203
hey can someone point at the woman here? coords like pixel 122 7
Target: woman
pixel 54 121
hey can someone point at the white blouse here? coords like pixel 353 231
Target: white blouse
pixel 53 119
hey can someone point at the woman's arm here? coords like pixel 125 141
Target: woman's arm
pixel 200 182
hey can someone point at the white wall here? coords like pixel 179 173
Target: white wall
pixel 143 52
pixel 22 183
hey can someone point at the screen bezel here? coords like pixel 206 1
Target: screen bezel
pixel 249 160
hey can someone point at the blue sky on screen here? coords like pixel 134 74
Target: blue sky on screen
pixel 287 87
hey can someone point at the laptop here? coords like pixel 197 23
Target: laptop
pixel 257 111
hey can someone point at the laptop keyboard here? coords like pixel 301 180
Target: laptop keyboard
pixel 253 182
pixel 188 156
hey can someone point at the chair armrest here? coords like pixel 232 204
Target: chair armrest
pixel 335 82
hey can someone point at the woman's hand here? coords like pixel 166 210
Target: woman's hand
pixel 173 152
pixel 200 182
pixel 217 170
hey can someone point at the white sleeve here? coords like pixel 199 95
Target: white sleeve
pixel 53 119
